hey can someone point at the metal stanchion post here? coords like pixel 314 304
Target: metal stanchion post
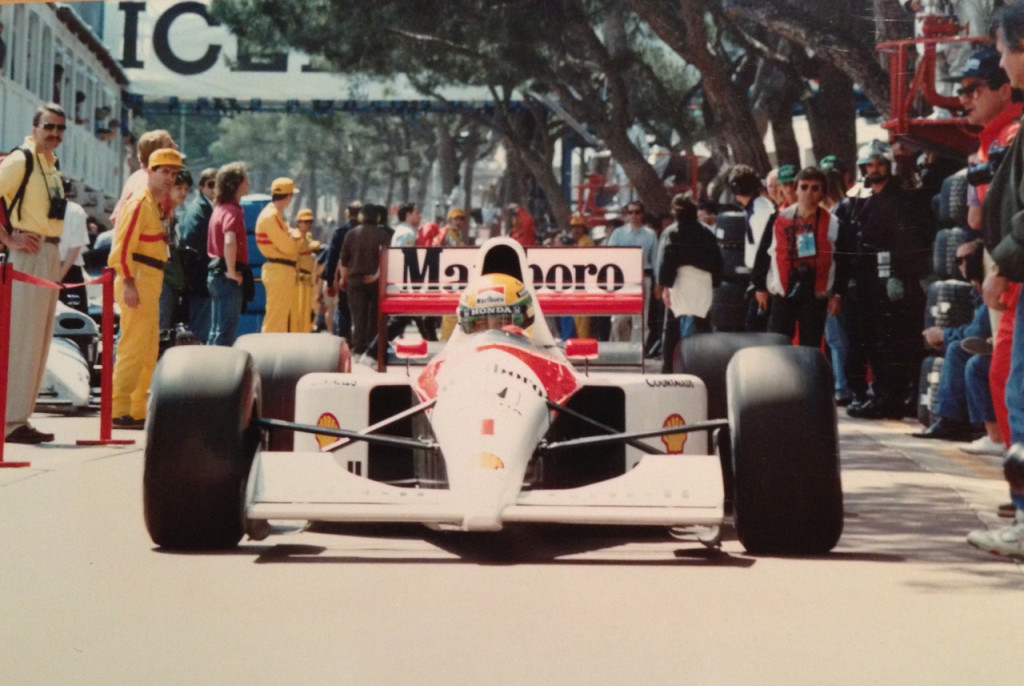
pixel 107 362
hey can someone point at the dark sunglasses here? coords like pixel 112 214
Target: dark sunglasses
pixel 50 126
pixel 969 90
pixel 634 211
pixel 810 187
pixel 962 259
pixel 210 184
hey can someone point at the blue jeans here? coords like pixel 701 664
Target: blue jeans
pixel 979 393
pixel 951 394
pixel 835 337
pixel 1015 381
pixel 225 309
pixel 199 316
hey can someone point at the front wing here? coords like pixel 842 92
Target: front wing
pixel 663 490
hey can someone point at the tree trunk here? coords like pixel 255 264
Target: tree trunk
pixel 682 26
pixel 833 40
pixel 447 166
pixel 469 160
pixel 832 116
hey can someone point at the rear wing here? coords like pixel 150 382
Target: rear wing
pixel 567 280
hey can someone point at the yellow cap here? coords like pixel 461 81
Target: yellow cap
pixel 455 212
pixel 283 186
pixel 166 157
pixel 304 215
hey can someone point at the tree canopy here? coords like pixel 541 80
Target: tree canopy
pixel 682 71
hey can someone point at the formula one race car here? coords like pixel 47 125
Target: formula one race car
pixel 499 427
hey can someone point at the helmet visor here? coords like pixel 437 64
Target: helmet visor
pixel 477 319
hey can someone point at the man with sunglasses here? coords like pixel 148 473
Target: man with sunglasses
pixel 635 234
pixel 796 263
pixel 986 97
pixel 149 142
pixel 194 228
pixel 30 232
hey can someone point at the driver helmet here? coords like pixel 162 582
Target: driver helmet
pixel 875 150
pixel 495 301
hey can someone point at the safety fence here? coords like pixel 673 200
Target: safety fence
pixel 8 275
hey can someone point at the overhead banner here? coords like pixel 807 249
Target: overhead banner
pixel 175 48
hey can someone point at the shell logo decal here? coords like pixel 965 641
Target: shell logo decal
pixel 328 421
pixel 491 461
pixel 674 442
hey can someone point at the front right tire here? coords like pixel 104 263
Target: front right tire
pixel 788 496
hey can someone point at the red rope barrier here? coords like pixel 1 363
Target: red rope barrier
pixel 8 275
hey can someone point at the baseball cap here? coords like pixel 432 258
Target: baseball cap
pixel 830 162
pixel 455 212
pixel 166 157
pixel 304 215
pixel 283 186
pixel 787 173
pixel 577 220
pixel 983 64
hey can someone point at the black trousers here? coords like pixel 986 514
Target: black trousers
pixel 885 336
pixel 805 311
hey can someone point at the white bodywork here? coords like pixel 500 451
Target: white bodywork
pixel 65 378
pixel 490 412
pixel 67 374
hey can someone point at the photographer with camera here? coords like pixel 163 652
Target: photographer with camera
pixel 796 263
pixel 33 220
pixel 987 100
pixel 1003 228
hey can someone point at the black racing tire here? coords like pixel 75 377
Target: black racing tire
pixel 729 305
pixel 284 358
pixel 707 356
pixel 953 200
pixel 202 435
pixel 788 497
pixel 949 303
pixel 944 252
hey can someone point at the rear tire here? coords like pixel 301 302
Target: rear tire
pixel 284 358
pixel 201 439
pixel 788 493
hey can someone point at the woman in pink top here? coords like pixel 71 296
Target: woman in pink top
pixel 226 240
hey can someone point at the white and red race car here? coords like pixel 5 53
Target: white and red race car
pixel 498 428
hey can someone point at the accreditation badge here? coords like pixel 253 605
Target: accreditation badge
pixel 805 245
pixel 884 264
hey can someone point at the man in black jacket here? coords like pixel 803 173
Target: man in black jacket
pixel 885 301
pixel 688 243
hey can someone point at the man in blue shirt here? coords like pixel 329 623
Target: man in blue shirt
pixel 635 234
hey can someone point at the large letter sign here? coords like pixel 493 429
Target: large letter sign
pixel 162 46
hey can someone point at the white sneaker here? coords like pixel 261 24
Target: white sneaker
pixel 1007 541
pixel 984 446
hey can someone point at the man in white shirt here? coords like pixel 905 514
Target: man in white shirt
pixel 74 238
pixel 409 218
